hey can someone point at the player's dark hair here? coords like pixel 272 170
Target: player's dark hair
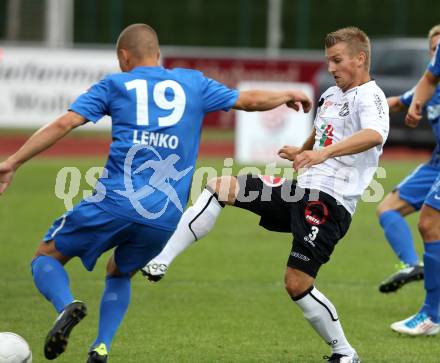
pixel 355 38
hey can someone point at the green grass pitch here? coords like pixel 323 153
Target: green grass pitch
pixel 223 300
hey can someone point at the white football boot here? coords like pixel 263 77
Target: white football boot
pixel 154 271
pixel 419 324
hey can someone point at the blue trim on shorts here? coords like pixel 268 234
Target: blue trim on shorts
pixel 433 198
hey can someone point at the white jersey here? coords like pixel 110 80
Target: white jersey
pixel 338 117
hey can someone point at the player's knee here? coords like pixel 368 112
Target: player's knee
pixel 49 249
pixel 112 268
pixel 294 286
pixel 382 208
pixel 429 229
pixel 226 188
pixel 385 205
pixel 297 282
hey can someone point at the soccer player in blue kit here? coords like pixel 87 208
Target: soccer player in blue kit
pixel 427 321
pixel 410 194
pixel 156 116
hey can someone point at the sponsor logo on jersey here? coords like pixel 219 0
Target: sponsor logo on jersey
pixel 327 135
pixel 316 213
pixel 272 181
pixel 344 110
pixel 325 106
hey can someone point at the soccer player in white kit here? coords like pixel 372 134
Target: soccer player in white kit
pixel 336 164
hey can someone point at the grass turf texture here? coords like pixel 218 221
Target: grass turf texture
pixel 223 300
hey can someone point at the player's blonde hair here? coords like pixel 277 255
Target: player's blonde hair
pixel 356 40
pixel 435 30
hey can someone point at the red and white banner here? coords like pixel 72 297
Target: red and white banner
pixel 231 71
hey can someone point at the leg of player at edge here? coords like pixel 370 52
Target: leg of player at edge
pixel 427 321
pixel 391 212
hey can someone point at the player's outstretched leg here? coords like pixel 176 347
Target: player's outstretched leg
pixel 391 212
pixel 195 223
pixel 52 281
pixel 114 305
pixel 321 314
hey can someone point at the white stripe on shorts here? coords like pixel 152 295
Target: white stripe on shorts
pixel 59 227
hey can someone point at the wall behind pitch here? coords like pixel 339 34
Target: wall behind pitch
pixel 39 84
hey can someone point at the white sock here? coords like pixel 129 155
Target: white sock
pixel 322 315
pixel 195 223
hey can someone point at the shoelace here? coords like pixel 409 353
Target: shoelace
pixel 420 317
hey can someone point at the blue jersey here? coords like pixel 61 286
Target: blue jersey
pixel 156 116
pixel 432 108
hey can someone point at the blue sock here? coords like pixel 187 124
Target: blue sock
pixel 114 304
pixel 431 260
pixel 52 281
pixel 399 236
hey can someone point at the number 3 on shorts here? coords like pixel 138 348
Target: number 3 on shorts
pixel 314 233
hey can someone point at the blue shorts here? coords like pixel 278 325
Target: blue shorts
pixel 87 231
pixel 433 198
pixel 415 187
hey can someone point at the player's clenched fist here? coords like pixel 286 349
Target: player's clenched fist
pixel 299 99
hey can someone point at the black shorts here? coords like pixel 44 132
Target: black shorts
pixel 315 218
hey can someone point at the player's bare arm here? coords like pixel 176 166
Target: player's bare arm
pixel 359 142
pixel 257 100
pixel 424 91
pixel 38 142
pixel 290 152
pixel 395 104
